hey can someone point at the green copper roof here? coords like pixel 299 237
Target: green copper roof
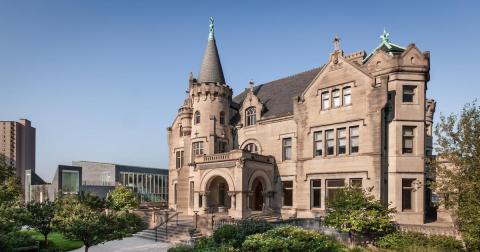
pixel 211 35
pixel 386 45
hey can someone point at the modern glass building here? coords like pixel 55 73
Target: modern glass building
pixel 149 187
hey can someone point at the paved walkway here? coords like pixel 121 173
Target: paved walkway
pixel 129 244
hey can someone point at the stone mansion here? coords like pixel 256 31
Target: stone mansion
pixel 285 147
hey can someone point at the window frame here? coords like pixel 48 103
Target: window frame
pixel 406 138
pixel 336 96
pixel 317 142
pixel 325 97
pixel 329 188
pixel 197 148
pixel 412 94
pixel 408 189
pixel 344 138
pixel 250 117
pixel 349 95
pixel 290 194
pixel 251 147
pixel 179 157
pixel 328 140
pixel 222 118
pixel 286 147
pixel 197 117
pixel 352 137
pixel 314 188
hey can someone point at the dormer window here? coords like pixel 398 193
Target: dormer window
pixel 222 118
pixel 250 116
pixel 196 119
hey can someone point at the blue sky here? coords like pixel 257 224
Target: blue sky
pixel 102 80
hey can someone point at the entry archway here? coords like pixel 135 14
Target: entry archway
pixel 257 199
pixel 218 199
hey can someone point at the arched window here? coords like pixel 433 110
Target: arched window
pixel 196 119
pixel 250 116
pixel 251 147
pixel 222 118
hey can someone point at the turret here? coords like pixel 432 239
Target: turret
pixel 211 97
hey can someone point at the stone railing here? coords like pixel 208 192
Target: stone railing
pixel 430 230
pixel 216 157
pixel 233 155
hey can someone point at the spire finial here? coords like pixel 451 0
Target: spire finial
pixel 385 36
pixel 336 43
pixel 211 36
pixel 251 83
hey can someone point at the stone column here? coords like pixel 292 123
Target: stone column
pixel 204 201
pixel 233 200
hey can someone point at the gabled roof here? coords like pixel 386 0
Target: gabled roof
pixel 277 96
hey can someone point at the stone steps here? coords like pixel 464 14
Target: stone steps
pixel 176 232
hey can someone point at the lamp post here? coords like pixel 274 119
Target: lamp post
pixel 196 218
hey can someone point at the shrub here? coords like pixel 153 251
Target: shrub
pixel 181 248
pixel 290 238
pixel 402 241
pixel 225 234
pixel 353 210
pixel 235 235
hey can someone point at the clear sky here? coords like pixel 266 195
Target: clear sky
pixel 102 80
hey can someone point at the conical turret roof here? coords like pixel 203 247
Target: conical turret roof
pixel 211 68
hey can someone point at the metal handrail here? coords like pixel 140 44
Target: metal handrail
pixel 165 223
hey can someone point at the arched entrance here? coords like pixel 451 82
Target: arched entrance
pixel 257 200
pixel 218 199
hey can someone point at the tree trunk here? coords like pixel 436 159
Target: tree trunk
pixel 46 239
pixel 86 248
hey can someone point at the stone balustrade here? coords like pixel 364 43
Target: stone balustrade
pixel 233 155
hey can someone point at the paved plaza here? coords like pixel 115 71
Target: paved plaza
pixel 129 244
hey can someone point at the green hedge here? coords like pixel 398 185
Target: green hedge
pixel 290 238
pixel 407 241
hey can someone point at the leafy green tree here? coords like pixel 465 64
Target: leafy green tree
pixel 78 220
pixel 458 180
pixel 122 199
pixel 354 211
pixel 40 217
pixel 12 214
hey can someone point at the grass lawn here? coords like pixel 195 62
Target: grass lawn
pixel 58 240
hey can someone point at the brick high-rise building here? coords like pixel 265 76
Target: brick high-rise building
pixel 17 144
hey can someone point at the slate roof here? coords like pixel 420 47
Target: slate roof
pixel 277 96
pixel 211 68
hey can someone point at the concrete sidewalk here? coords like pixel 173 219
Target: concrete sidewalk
pixel 129 244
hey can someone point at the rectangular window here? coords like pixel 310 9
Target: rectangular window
pixel 179 159
pixel 317 144
pixel 175 194
pixel 342 140
pixel 333 185
pixel 315 193
pixel 325 100
pixel 408 138
pixel 336 98
pixel 356 182
pixel 347 96
pixel 408 93
pixel 407 194
pixel 287 148
pixel 354 139
pixel 70 181
pixel 330 139
pixel 287 193
pixel 198 148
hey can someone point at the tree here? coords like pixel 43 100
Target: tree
pixel 457 170
pixel 41 217
pixel 122 199
pixel 78 220
pixel 354 211
pixel 12 215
